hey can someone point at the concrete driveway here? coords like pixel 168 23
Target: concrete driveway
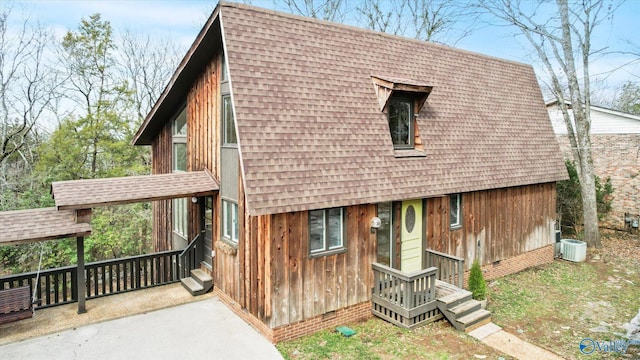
pixel 197 330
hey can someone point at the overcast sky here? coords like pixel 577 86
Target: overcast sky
pixel 180 21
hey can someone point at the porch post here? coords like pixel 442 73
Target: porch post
pixel 81 283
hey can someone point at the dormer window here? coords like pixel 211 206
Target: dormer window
pixel 402 100
pixel 400 115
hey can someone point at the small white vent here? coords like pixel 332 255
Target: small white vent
pixel 573 250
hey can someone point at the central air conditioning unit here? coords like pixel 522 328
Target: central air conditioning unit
pixel 573 250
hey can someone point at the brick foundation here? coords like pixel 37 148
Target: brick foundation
pixel 342 316
pixel 295 330
pixel 541 256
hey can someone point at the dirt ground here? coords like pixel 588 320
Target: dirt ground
pixel 59 318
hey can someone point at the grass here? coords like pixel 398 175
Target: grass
pixel 377 339
pixel 558 305
pixel 554 307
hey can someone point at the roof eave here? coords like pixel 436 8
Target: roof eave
pixel 198 55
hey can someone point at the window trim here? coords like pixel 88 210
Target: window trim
pixel 233 237
pixel 457 225
pixel 326 251
pixel 412 136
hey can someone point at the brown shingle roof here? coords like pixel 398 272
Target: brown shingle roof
pixel 312 136
pixel 40 224
pixel 83 194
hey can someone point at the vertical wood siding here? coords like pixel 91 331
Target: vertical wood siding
pixel 497 224
pixel 284 285
pixel 161 164
pixel 202 140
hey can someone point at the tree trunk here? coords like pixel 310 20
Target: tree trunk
pixel 581 107
pixel 589 203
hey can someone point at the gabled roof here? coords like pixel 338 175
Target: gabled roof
pixel 91 193
pixel 311 133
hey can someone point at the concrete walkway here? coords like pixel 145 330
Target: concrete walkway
pixel 493 335
pixel 203 329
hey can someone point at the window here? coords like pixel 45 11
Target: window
pixel 180 217
pixel 326 230
pixel 223 69
pixel 384 234
pixel 228 124
pixel 179 141
pixel 230 221
pixel 401 122
pixel 179 164
pixel 455 218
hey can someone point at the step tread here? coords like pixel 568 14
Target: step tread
pixel 192 284
pixel 474 317
pixel 457 296
pixel 465 307
pixel 201 274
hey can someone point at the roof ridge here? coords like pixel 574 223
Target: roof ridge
pixel 364 30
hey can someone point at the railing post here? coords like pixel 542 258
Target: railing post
pixel 80 277
pixel 461 274
pixel 136 266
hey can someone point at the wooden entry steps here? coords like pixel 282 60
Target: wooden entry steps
pixel 199 283
pixel 462 311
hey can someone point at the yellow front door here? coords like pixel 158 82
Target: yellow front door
pixel 411 236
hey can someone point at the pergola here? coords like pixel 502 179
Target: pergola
pixel 71 217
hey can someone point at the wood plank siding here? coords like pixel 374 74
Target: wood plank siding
pixel 161 164
pixel 202 152
pixel 202 141
pixel 496 224
pixel 284 284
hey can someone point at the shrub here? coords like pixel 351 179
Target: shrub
pixel 477 285
pixel 569 203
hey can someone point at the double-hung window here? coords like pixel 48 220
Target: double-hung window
pixel 326 231
pixel 230 221
pixel 455 211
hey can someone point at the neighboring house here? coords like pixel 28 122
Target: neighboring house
pixel 615 139
pixel 313 130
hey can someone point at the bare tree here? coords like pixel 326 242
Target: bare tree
pixel 26 91
pixel 628 98
pixel 147 66
pixel 331 10
pixel 384 16
pixel 428 20
pixel 560 35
